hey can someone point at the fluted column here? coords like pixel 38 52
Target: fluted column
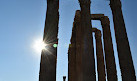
pixel 109 52
pixel 100 56
pixel 49 56
pixel 124 52
pixel 88 61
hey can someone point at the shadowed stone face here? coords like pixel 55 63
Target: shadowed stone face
pixel 124 52
pixel 48 58
pixel 100 55
pixel 86 45
pixel 72 56
pixel 96 16
pixel 108 46
pixel 109 52
pixel 83 56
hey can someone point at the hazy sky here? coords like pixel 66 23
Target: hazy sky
pixel 22 23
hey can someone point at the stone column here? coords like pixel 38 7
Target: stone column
pixel 64 78
pixel 100 56
pixel 109 52
pixel 87 50
pixel 72 56
pixel 78 46
pixel 124 52
pixel 49 56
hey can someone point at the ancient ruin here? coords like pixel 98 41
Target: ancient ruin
pixel 124 52
pixel 81 57
pixel 108 46
pixel 100 55
pixel 86 43
pixel 48 58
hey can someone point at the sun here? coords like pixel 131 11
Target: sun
pixel 39 45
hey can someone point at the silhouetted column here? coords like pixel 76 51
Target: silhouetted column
pixel 78 46
pixel 100 56
pixel 124 53
pixel 87 50
pixel 79 53
pixel 64 78
pixel 109 52
pixel 49 56
pixel 72 56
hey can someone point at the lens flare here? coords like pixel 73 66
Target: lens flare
pixel 39 45
pixel 55 45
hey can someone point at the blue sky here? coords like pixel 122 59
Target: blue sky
pixel 22 22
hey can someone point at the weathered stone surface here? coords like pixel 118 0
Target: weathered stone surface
pixel 100 56
pixel 48 58
pixel 124 52
pixel 87 50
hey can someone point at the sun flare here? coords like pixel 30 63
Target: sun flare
pixel 39 45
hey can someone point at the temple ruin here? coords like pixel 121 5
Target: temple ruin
pixel 48 59
pixel 108 46
pixel 81 56
pixel 123 48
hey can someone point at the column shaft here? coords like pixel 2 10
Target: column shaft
pixel 124 52
pixel 87 50
pixel 48 58
pixel 109 52
pixel 78 46
pixel 100 57
pixel 72 56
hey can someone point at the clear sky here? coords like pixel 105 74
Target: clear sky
pixel 22 23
